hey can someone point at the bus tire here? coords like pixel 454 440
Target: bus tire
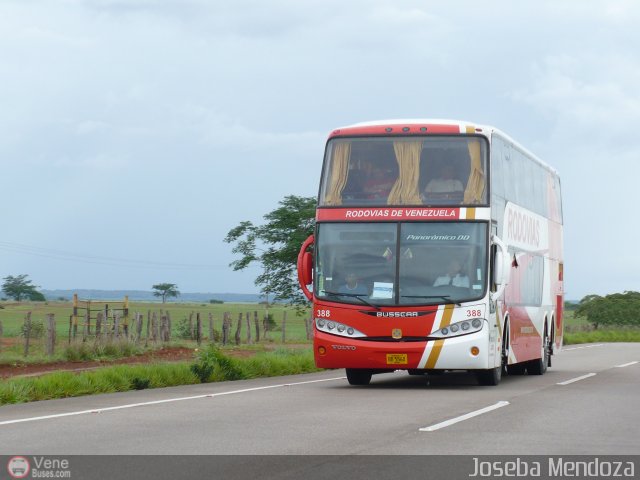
pixel 490 377
pixel 539 365
pixel 516 369
pixel 358 376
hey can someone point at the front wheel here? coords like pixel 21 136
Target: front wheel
pixel 357 376
pixel 489 377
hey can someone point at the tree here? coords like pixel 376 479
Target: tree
pixel 165 290
pixel 280 239
pixel 20 288
pixel 613 309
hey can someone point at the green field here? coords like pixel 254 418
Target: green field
pixel 12 316
pixel 579 330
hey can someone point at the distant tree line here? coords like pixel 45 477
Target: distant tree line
pixel 613 309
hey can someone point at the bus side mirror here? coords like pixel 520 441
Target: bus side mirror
pixel 305 267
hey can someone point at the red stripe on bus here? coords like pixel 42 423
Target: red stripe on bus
pixel 386 214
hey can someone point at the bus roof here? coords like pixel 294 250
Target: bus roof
pixel 430 126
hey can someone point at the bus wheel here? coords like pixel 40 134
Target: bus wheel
pixel 489 377
pixel 539 365
pixel 357 376
pixel 516 369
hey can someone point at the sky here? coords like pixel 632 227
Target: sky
pixel 134 134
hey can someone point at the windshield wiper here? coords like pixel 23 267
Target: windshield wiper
pixel 354 295
pixel 444 297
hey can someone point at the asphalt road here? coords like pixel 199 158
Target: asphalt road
pixel 585 404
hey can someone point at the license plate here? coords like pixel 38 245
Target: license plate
pixel 397 359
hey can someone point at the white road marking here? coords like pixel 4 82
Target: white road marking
pixel 157 402
pixel 626 364
pixel 580 348
pixel 466 416
pixel 577 379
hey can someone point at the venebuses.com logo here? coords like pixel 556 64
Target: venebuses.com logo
pixel 38 467
pixel 18 467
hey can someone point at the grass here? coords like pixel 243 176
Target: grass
pixel 75 352
pixel 579 330
pixel 106 380
pixel 126 377
pixel 603 335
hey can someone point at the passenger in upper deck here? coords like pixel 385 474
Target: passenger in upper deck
pixel 444 187
pixel 377 183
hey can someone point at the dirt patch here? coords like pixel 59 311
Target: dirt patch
pixel 169 354
pixel 10 341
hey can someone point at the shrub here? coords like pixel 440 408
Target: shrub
pixel 90 351
pixel 183 330
pixel 37 329
pixel 271 322
pixel 138 383
pixel 212 361
pixel 78 353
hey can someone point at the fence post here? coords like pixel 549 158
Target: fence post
pixel 116 324
pixel 308 324
pixel 125 315
pixel 27 333
pixel 106 319
pixel 239 329
pixel 85 325
pixel 164 324
pixel 74 317
pixel 99 316
pixel 198 329
pixel 249 328
pixel 225 328
pixel 154 327
pixel 138 334
pixel 146 342
pixel 265 326
pixel 284 325
pixel 257 323
pixel 211 339
pixel 51 334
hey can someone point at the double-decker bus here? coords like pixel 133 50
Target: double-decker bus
pixel 437 247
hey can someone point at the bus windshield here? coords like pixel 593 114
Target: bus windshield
pixel 430 170
pixel 401 263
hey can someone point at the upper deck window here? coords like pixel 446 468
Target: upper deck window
pixel 435 170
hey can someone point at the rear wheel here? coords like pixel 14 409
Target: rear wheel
pixel 357 376
pixel 516 369
pixel 539 365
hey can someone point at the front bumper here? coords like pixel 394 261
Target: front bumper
pixel 456 353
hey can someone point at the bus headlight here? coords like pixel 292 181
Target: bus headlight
pixel 337 328
pixel 457 329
